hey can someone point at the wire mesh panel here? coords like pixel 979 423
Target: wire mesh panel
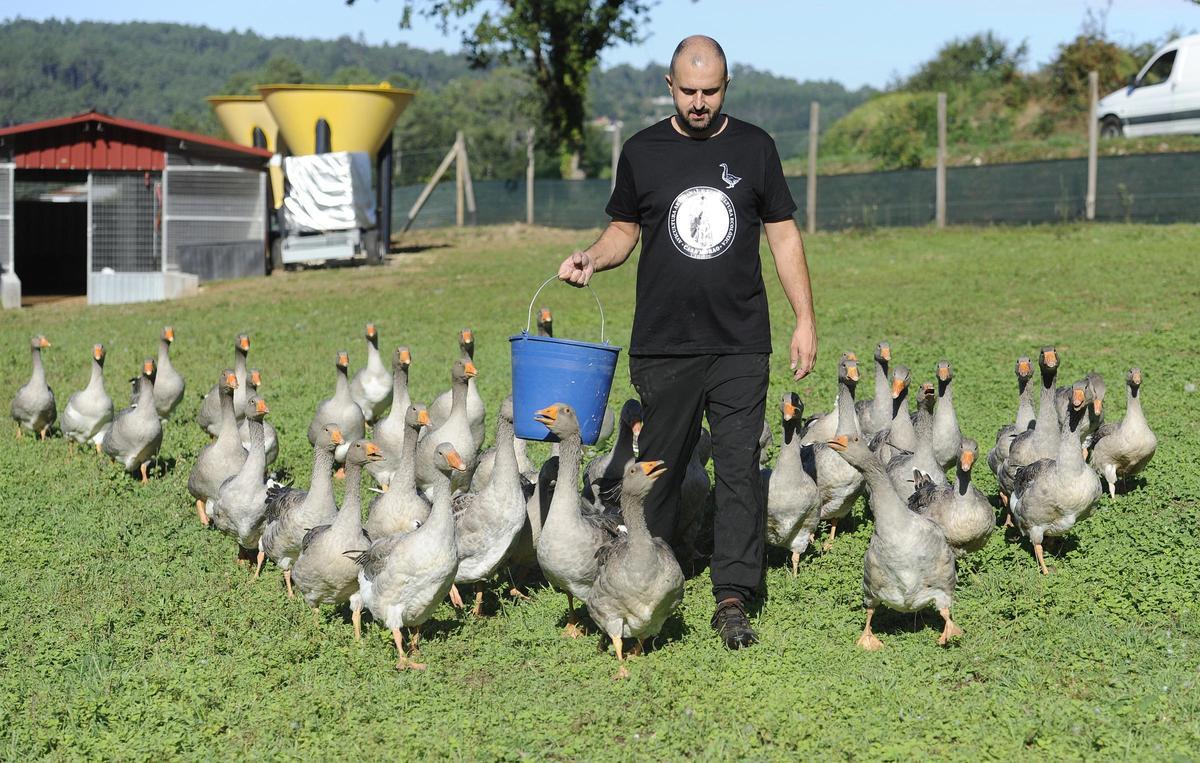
pixel 125 233
pixel 214 212
pixel 1153 188
pixel 6 215
pixel 1028 192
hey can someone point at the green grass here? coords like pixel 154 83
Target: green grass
pixel 127 631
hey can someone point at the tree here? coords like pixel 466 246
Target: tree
pixel 962 60
pixel 557 41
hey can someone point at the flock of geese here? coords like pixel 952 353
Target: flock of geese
pixel 446 514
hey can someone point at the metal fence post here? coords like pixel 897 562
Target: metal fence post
pixel 1093 141
pixel 940 198
pixel 814 129
pixel 529 177
pixel 616 150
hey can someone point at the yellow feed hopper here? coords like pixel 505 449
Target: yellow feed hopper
pixel 359 117
pixel 240 115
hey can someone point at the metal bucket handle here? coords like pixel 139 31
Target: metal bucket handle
pixel 529 316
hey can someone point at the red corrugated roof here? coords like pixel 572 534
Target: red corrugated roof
pixel 52 144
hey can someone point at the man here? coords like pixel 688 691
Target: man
pixel 697 189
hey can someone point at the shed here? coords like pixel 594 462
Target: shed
pixel 125 211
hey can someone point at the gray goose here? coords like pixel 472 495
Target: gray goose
pixel 240 507
pixel 340 410
pixel 1096 389
pixel 901 467
pixel 402 507
pixel 454 429
pixel 33 406
pixel 899 436
pixel 404 577
pixel 1123 449
pixel 838 484
pixel 1025 414
pixel 89 411
pixel 876 413
pixel 604 474
pixel 793 502
pixel 909 564
pixel 135 435
pixel 209 415
pixel 487 523
pixel 169 385
pixel 946 434
pixel 371 386
pixel 639 583
pixel 963 513
pixel 270 436
pixel 326 572
pixel 1051 494
pixel 1040 440
pixel 570 538
pixel 389 432
pixel 223 457
pixel 439 409
pixel 292 512
pixel 824 426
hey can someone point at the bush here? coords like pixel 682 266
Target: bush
pixel 1068 72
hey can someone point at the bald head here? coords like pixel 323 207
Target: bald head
pixel 700 52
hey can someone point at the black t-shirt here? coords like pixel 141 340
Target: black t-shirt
pixel 701 205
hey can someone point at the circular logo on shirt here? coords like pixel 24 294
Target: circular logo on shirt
pixel 702 222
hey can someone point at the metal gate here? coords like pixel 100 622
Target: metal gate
pixel 214 221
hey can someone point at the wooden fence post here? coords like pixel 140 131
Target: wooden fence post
pixel 814 129
pixel 459 181
pixel 940 197
pixel 529 177
pixel 1093 141
pixel 615 126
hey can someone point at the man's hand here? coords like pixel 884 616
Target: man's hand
pixel 804 349
pixel 577 269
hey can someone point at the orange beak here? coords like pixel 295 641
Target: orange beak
pixel 260 406
pixel 653 469
pixel 1050 357
pixel 43 342
pixel 839 443
pixel 373 451
pixel 1023 368
pixel 244 343
pixel 927 389
pixel 943 373
pixel 98 352
pixel 1077 397
pixel 455 461
pixel 789 411
pixel 371 329
pixel 637 427
pixel 256 378
pixel 231 380
pixel 886 353
pixel 469 368
pixel 148 367
pixel 343 359
pixel 547 415
pixel 967 460
pixel 405 357
pixel 335 436
pixel 467 336
pixel 423 418
pixel 852 373
pixel 898 386
pixel 544 316
pixel 1097 406
pixel 169 333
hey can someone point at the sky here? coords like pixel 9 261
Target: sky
pixel 868 42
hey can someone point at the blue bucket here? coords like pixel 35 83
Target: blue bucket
pixel 546 370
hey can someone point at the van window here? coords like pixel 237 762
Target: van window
pixel 1159 71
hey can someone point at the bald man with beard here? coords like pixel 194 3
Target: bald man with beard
pixel 698 189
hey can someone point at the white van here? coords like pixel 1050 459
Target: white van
pixel 1163 98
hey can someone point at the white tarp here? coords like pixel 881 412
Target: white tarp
pixel 329 192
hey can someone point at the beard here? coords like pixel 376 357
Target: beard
pixel 697 123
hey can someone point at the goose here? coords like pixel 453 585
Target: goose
pixel 1025 414
pixel 823 427
pixel 899 436
pixel 1096 390
pixel 570 538
pixel 371 386
pixel 88 412
pixel 221 458
pixel 487 523
pixel 963 513
pixel 292 512
pixel 901 467
pixel 1050 495
pixel 909 564
pixel 404 577
pixel 33 406
pixel 603 476
pixel 876 413
pixel 135 434
pixel 537 506
pixel 946 435
pixel 390 431
pixel 638 581
pixel 340 410
pixel 326 572
pixel 838 484
pixel 169 385
pixel 455 429
pixel 402 507
pixel 1040 440
pixel 793 502
pixel 209 415
pixel 241 503
pixel 1123 449
pixel 270 436
pixel 439 409
pixel 693 494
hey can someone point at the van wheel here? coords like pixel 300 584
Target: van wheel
pixel 1110 127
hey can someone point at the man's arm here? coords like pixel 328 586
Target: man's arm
pixel 613 247
pixel 788 250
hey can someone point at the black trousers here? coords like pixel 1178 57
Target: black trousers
pixel 731 390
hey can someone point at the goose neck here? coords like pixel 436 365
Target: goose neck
pixel 342 389
pixel 39 372
pixel 96 380
pixel 399 384
pixel 256 462
pixel 350 515
pixel 228 417
pixel 633 514
pixel 847 416
pixel 321 485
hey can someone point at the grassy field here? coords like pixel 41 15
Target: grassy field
pixel 127 630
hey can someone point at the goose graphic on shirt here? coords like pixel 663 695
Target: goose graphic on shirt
pixel 702 222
